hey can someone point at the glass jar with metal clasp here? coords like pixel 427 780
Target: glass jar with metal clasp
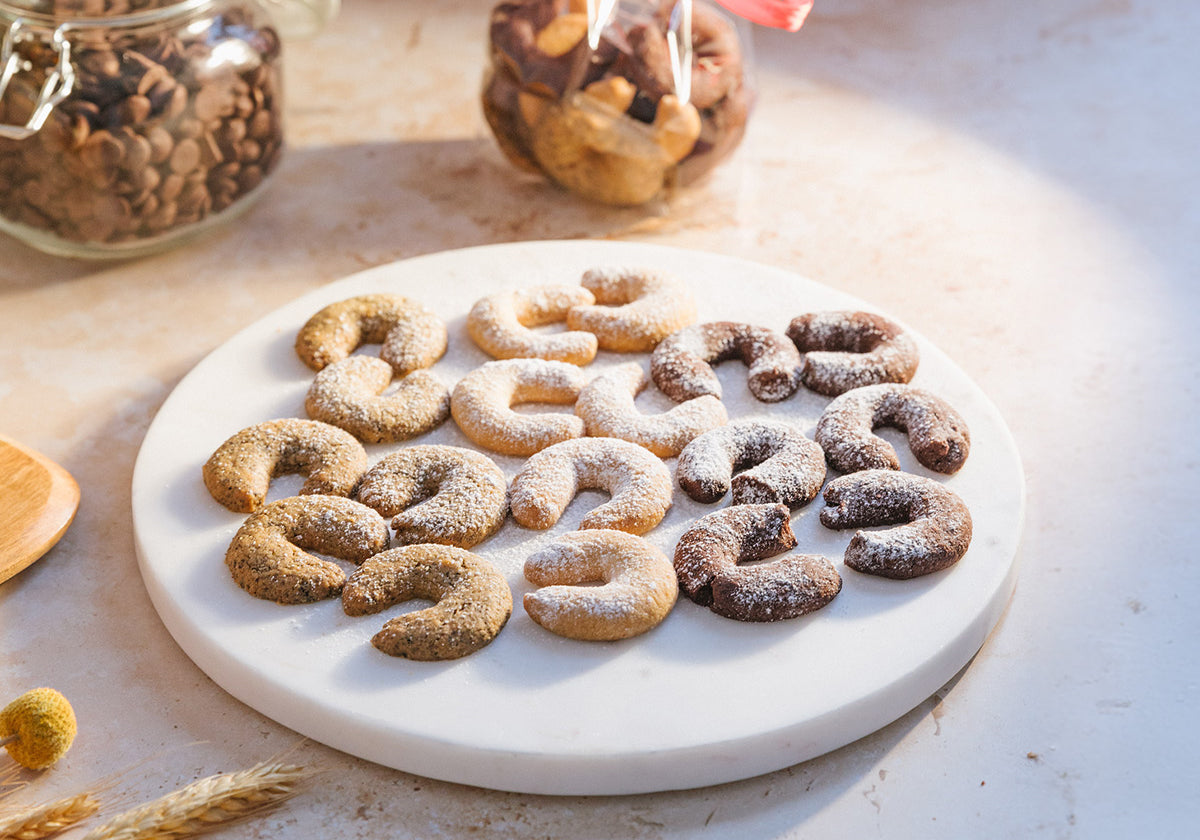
pixel 129 125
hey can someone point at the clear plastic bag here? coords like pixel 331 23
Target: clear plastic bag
pixel 616 101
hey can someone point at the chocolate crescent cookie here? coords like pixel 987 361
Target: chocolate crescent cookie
pixel 437 494
pixel 472 600
pixel 639 483
pixel 708 554
pixel 269 557
pixel 239 472
pixel 681 365
pixel 635 309
pixel 350 395
pixel 844 350
pixel 933 524
pixel 412 337
pixel 937 434
pixel 785 466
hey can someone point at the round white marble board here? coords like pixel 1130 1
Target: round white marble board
pixel 699 700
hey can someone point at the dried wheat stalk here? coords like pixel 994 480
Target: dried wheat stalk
pixel 49 819
pixel 206 804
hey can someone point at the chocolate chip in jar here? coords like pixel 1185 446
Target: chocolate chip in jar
pixel 172 122
pixel 615 116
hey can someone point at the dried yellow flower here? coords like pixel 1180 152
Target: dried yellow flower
pixel 37 728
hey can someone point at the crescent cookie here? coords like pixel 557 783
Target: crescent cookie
pixel 637 586
pixel 682 363
pixel 412 337
pixel 472 601
pixel 639 483
pixel 937 435
pixel 933 525
pixel 607 407
pixel 239 472
pixel 844 350
pixel 500 324
pixel 708 554
pixel 635 309
pixel 437 494
pixel 350 395
pixel 482 401
pixel 269 557
pixel 786 467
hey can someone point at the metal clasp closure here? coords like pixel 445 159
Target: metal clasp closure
pixel 57 86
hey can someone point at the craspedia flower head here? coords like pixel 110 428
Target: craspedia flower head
pixel 39 726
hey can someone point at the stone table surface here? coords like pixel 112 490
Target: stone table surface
pixel 1016 181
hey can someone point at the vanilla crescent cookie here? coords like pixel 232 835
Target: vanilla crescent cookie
pixel 637 586
pixel 937 434
pixel 482 401
pixel 412 337
pixel 785 466
pixel 350 395
pixel 845 349
pixel 635 308
pixel 238 474
pixel 932 523
pixel 708 555
pixel 681 364
pixel 500 324
pixel 639 483
pixel 472 601
pixel 269 555
pixel 437 494
pixel 607 407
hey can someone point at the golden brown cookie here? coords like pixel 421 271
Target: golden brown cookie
pixel 437 494
pixel 635 309
pixel 845 349
pixel 682 362
pixel 937 434
pixel 932 523
pixel 501 324
pixel 239 472
pixel 607 407
pixel 482 404
pixel 784 465
pixel 412 337
pixel 269 557
pixel 637 586
pixel 350 395
pixel 472 600
pixel 639 483
pixel 707 561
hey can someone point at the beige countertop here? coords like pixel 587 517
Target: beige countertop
pixel 1017 181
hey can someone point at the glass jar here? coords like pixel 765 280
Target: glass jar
pixel 616 100
pixel 128 125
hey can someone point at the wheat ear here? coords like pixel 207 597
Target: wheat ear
pixel 206 804
pixel 46 820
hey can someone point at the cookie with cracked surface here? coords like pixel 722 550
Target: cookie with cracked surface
pixel 846 349
pixel 681 364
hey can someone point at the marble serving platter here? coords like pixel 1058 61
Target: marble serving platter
pixel 699 700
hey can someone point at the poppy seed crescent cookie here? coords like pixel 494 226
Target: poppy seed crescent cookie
pixel 269 557
pixel 708 555
pixel 638 481
pixel 682 363
pixel 844 350
pixel 635 309
pixel 472 601
pixel 637 585
pixel 350 395
pixel 607 407
pixel 932 524
pixel 412 337
pixel 937 434
pixel 239 472
pixel 500 324
pixel 785 466
pixel 437 494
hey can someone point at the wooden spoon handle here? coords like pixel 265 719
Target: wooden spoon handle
pixel 38 500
